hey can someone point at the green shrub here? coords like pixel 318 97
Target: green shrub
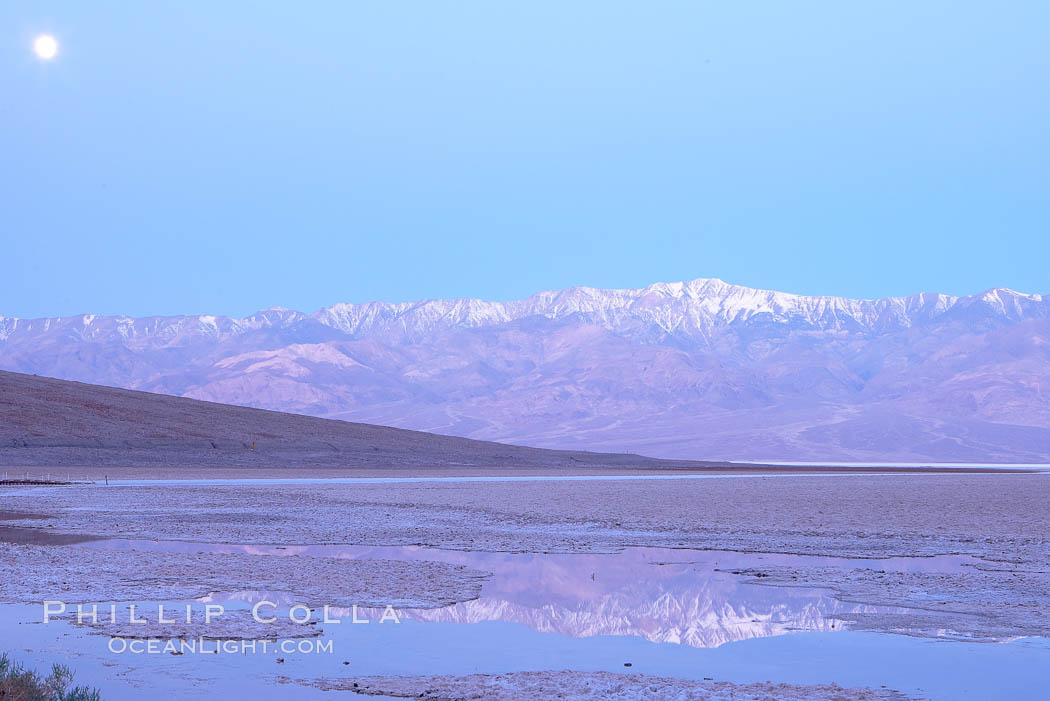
pixel 20 684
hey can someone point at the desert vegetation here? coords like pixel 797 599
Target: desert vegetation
pixel 20 684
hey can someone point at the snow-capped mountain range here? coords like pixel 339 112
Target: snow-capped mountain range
pixel 699 369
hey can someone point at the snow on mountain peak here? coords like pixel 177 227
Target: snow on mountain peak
pixel 699 368
pixel 690 308
pixel 690 305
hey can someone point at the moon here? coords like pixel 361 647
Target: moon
pixel 45 46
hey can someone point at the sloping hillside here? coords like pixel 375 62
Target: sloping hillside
pixel 44 421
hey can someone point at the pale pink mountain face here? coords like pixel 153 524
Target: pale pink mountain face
pixel 700 369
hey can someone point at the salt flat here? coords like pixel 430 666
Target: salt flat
pixel 188 539
pixel 999 518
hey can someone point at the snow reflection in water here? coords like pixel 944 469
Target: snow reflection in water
pixel 695 598
pixel 665 611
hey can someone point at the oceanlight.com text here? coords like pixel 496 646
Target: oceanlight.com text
pixel 203 646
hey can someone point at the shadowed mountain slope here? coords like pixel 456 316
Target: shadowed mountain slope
pixel 44 421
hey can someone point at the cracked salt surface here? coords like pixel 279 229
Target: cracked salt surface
pixel 668 612
pixel 278 481
pixel 656 608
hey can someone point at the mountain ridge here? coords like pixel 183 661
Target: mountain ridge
pixel 350 317
pixel 696 369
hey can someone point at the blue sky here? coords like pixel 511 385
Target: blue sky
pixel 182 157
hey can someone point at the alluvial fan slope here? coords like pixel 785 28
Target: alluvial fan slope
pixel 45 421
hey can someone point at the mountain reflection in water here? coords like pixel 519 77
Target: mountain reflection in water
pixel 662 595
